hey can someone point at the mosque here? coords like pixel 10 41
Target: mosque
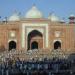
pixel 34 31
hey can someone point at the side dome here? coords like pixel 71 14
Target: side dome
pixel 72 15
pixel 14 17
pixel 53 17
pixel 34 13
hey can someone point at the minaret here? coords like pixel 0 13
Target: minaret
pixel 72 19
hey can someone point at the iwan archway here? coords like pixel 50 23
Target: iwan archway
pixel 35 40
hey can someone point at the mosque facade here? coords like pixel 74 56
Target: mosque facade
pixel 33 31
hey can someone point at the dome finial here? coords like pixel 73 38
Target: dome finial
pixel 15 11
pixel 51 13
pixel 34 5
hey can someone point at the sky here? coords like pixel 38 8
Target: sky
pixel 62 8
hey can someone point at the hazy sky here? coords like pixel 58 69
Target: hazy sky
pixel 62 8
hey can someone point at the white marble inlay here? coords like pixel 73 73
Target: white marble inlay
pixel 29 29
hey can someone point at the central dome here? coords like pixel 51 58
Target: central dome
pixel 33 13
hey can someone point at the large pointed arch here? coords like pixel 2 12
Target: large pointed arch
pixel 32 34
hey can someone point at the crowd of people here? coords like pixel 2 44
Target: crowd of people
pixel 37 66
pixel 34 67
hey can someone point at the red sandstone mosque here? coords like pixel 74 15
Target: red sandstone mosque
pixel 35 32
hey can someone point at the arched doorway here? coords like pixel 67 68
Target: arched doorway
pixel 34 35
pixel 12 45
pixel 57 45
pixel 34 45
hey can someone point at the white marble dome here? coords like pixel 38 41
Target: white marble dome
pixel 53 17
pixel 72 15
pixel 34 13
pixel 14 17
